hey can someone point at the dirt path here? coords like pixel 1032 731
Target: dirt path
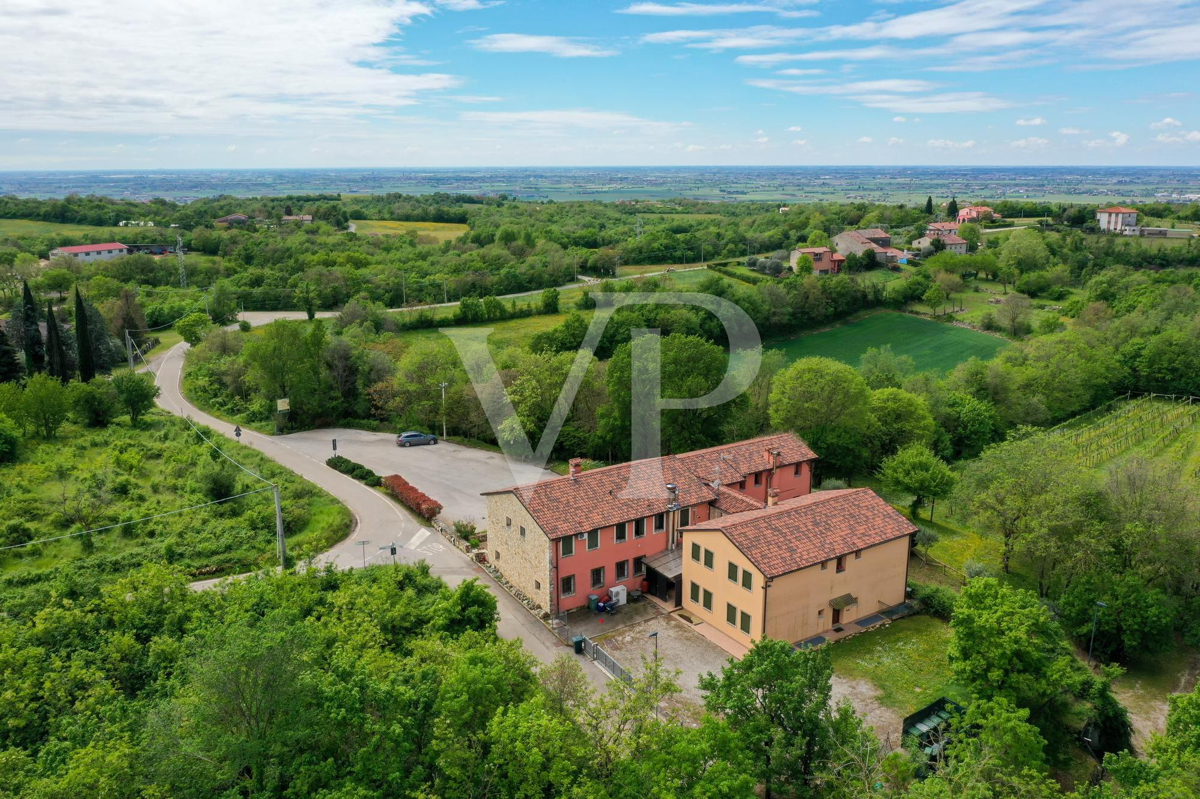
pixel 1147 708
pixel 865 698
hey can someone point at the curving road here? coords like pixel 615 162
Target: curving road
pixel 377 520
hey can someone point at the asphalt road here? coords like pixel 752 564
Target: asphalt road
pixel 453 475
pixel 378 520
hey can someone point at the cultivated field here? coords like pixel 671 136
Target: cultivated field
pixel 1149 427
pixel 931 345
pixel 442 231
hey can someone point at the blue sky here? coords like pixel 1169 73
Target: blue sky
pixel 317 83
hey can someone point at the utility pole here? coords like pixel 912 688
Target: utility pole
pixel 279 530
pixel 129 347
pixel 443 385
pixel 1095 616
pixel 179 258
pixel 363 544
pixel 445 292
pixel 654 635
pixel 403 289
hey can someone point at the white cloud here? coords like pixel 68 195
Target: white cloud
pixel 1030 143
pixel 1115 139
pixel 762 139
pixel 865 140
pixel 948 144
pixel 800 142
pixel 799 73
pixel 1167 122
pixel 1072 131
pixel 466 5
pixel 899 119
pixel 230 66
pixel 231 148
pixel 784 8
pixel 1182 137
pixel 795 129
pixel 558 46
pixel 1033 121
pixel 892 142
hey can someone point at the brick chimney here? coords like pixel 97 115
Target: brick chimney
pixel 576 465
pixel 772 497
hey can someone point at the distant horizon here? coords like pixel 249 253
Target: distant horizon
pixel 447 167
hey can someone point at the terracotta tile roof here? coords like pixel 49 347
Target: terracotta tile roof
pixel 873 233
pixel 1117 209
pixel 950 238
pixel 806 530
pixel 602 497
pixel 111 245
pixel 943 226
pixel 732 501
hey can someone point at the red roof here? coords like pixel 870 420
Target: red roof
pixel 950 238
pixel 78 248
pixel 1117 209
pixel 943 226
pixel 807 530
pixel 602 497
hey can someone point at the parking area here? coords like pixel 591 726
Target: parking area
pixel 679 647
pixel 453 475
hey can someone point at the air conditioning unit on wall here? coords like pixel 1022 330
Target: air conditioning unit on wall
pixel 580 536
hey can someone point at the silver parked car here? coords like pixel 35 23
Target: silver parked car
pixel 414 439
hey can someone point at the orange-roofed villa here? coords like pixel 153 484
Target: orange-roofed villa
pixel 731 535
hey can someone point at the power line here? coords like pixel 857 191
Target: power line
pixel 133 521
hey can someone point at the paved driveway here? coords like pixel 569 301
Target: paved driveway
pixel 451 474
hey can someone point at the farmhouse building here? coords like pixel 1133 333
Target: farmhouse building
pixel 1117 218
pixel 299 219
pixel 92 252
pixel 940 228
pixel 232 219
pixel 562 539
pixel 825 261
pixel 798 568
pixel 874 239
pixel 974 213
pixel 952 243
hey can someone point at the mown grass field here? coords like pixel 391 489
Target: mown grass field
pixel 442 231
pixel 931 345
pixel 906 661
pixel 28 227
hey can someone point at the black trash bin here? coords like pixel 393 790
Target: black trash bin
pixel 578 641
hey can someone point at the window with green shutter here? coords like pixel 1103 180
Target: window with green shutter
pixel 745 623
pixel 696 593
pixel 695 552
pixel 731 614
pixel 733 572
pixel 747 580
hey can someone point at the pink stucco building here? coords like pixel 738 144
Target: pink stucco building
pixel 563 539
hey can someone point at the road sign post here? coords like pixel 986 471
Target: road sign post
pixel 279 530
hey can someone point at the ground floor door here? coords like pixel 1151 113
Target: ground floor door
pixel 837 615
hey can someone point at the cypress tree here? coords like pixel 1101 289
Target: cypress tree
pixel 952 209
pixel 83 341
pixel 56 356
pixel 35 347
pixel 10 364
pixel 929 206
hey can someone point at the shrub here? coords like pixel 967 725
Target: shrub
pixel 10 439
pixel 355 470
pixel 244 326
pixel 936 600
pixel 411 497
pixel 464 529
pixel 15 532
pixel 95 403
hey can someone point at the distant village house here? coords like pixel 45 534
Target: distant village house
pixel 1117 218
pixel 859 241
pixel 976 213
pixel 825 261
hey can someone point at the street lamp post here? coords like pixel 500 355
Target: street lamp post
pixel 1095 616
pixel 442 385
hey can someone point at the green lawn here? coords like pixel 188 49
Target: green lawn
pixel 906 661
pixel 442 231
pixel 29 227
pixel 931 345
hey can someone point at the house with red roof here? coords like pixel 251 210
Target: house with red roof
pixel 1117 218
pixel 953 243
pixel 974 213
pixel 733 535
pixel 91 252
pixel 874 239
pixel 562 539
pixel 799 568
pixel 824 260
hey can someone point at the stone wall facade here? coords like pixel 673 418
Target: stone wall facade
pixel 524 560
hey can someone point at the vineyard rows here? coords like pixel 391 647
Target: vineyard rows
pixel 1157 421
